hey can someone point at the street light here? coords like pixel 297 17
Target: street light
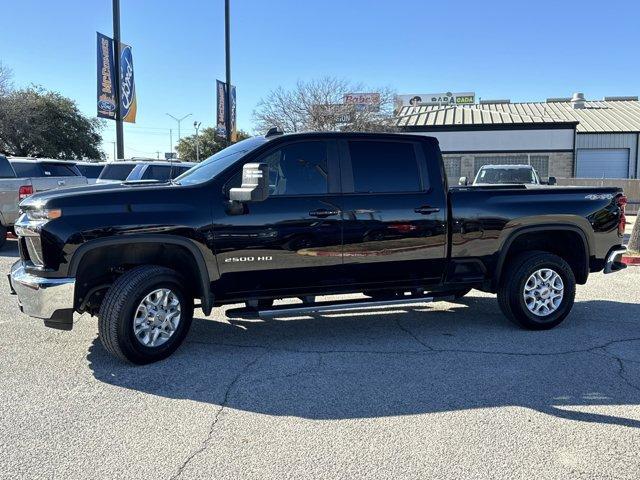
pixel 179 120
pixel 196 125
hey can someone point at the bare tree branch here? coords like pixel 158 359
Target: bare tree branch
pixel 318 105
pixel 5 79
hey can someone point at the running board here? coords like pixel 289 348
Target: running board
pixel 304 308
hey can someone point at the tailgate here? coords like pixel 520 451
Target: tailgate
pixel 41 184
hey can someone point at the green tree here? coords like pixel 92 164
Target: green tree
pixel 38 123
pixel 210 142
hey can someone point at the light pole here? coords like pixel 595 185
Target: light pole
pixel 179 120
pixel 116 79
pixel 227 45
pixel 196 125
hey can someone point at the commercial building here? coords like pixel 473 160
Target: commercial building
pixel 562 137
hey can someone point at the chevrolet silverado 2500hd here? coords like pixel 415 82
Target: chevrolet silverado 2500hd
pixel 304 215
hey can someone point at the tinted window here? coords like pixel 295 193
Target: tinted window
pixel 116 172
pixel 59 170
pixel 298 169
pixel 27 169
pixel 5 168
pixel 177 171
pixel 380 166
pixel 157 172
pixel 90 171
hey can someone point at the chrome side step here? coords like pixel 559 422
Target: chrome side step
pixel 304 308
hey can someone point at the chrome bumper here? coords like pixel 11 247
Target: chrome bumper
pixel 614 260
pixel 48 298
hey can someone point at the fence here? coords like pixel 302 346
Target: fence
pixel 631 188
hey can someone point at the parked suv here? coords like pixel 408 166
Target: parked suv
pixel 135 170
pixel 91 170
pixel 299 216
pixel 161 171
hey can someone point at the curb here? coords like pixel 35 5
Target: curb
pixel 631 260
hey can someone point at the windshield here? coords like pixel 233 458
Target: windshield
pixel 505 175
pixel 219 162
pixel 116 172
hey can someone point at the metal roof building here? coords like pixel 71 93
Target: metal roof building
pixel 602 137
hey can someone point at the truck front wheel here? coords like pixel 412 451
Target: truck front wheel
pixel 145 315
pixel 537 290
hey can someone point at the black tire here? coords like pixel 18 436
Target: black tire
pixel 117 313
pixel 3 235
pixel 512 284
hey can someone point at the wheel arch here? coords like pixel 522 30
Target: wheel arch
pixel 542 237
pixel 178 253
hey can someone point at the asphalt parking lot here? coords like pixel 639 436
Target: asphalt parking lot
pixel 448 390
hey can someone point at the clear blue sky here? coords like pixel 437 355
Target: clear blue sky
pixel 499 49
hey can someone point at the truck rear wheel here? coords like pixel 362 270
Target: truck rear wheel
pixel 145 315
pixel 537 290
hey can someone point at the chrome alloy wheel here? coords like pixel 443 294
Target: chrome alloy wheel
pixel 543 292
pixel 157 317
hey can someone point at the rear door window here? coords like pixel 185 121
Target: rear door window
pixel 5 168
pixel 177 171
pixel 27 169
pixel 384 166
pixel 90 171
pixel 157 172
pixel 59 170
pixel 116 172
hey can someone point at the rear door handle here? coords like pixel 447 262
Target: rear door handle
pixel 426 210
pixel 323 213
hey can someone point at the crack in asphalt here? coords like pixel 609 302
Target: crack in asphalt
pixel 411 334
pixel 205 444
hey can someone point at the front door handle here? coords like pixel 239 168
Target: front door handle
pixel 323 213
pixel 426 210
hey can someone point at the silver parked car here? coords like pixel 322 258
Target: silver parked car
pixel 161 171
pixel 21 177
pixel 135 170
pixel 91 170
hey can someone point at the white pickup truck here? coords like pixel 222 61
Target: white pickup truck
pixel 21 177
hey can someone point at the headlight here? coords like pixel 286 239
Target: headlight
pixel 43 215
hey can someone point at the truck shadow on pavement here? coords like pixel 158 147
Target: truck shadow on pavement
pixel 402 362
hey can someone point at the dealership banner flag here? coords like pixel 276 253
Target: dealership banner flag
pixel 128 100
pixel 107 107
pixel 106 71
pixel 221 126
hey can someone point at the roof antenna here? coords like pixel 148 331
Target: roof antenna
pixel 273 131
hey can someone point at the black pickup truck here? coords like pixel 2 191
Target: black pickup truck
pixel 296 216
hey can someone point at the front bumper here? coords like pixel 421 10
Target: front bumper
pixel 614 260
pixel 48 298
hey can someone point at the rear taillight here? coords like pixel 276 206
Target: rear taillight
pixel 25 191
pixel 622 223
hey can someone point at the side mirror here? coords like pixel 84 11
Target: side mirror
pixel 553 181
pixel 463 181
pixel 255 184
